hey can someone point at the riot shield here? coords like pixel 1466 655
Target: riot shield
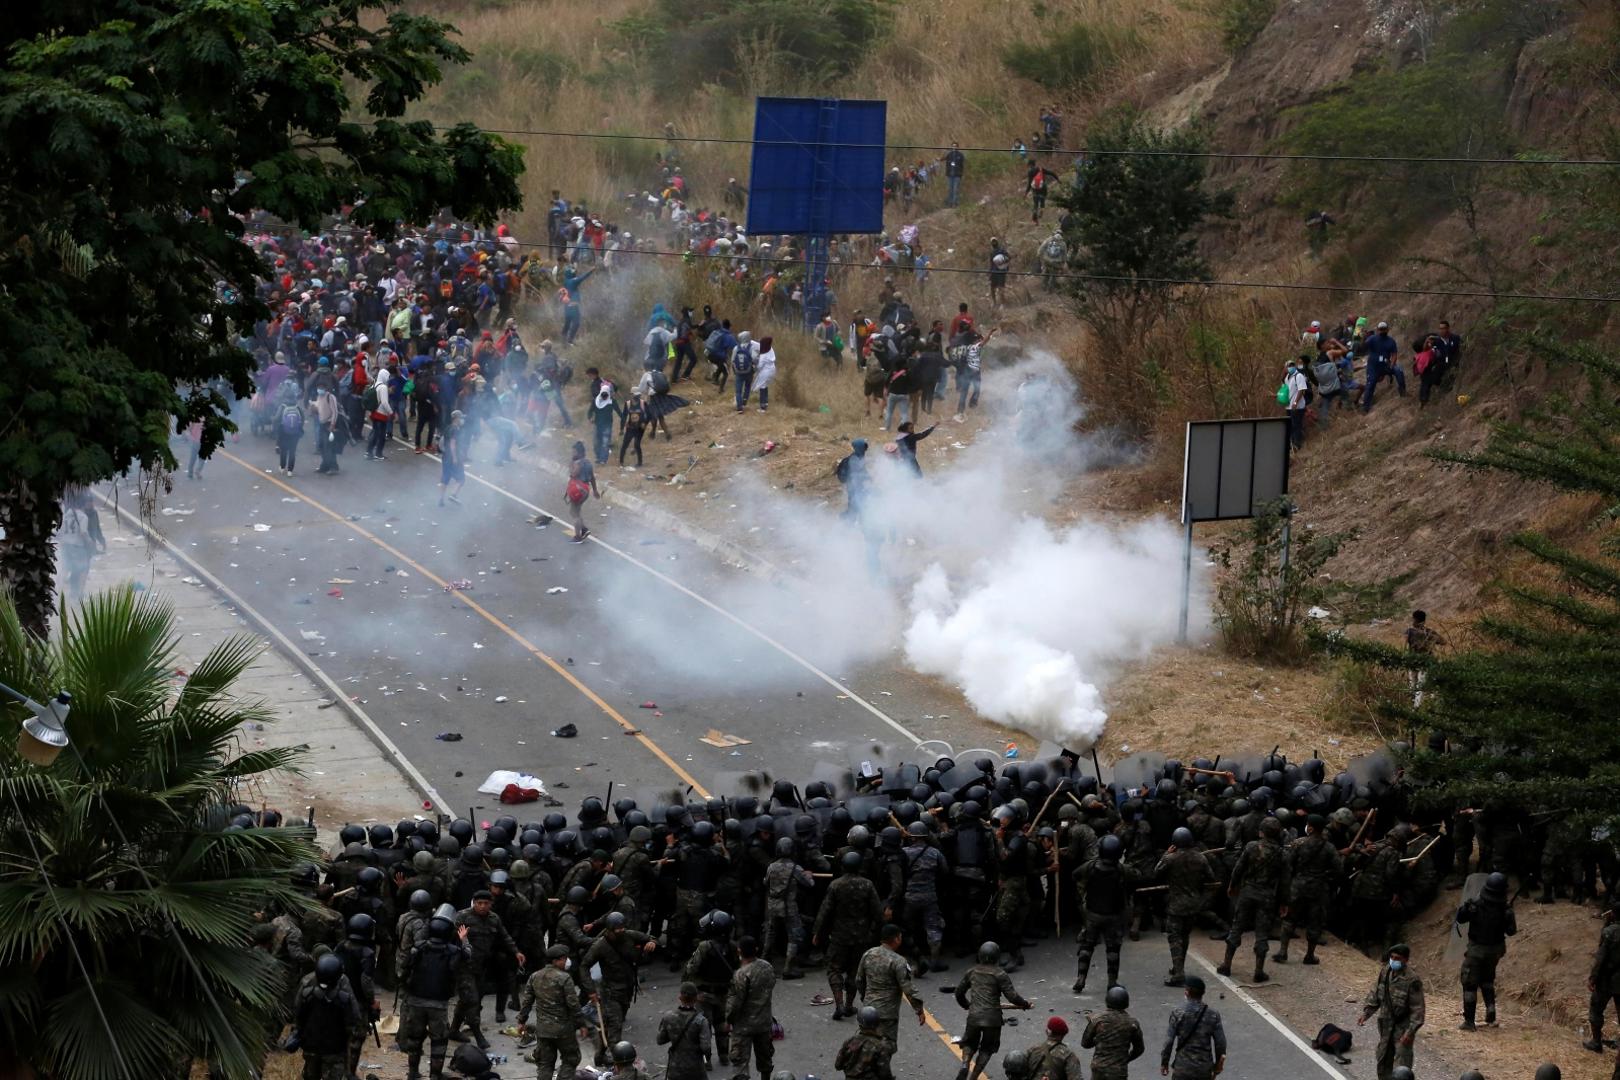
pixel 1137 770
pixel 900 779
pixel 1457 940
pixel 1376 770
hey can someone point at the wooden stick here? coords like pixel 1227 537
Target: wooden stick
pixel 1366 821
pixel 1036 820
pixel 1057 890
pixel 1433 841
pixel 1230 775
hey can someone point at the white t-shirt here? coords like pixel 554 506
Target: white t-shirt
pixel 1296 389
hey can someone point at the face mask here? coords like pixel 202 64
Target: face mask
pixel 1396 965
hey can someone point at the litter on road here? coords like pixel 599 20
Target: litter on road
pixel 567 731
pixel 448 736
pixel 723 741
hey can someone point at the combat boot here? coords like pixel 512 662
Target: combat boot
pixel 1489 994
pixel 436 1066
pixel 1260 975
pixel 1281 955
pixel 1226 964
pixel 935 962
pixel 792 971
pixel 413 1067
pixel 838 1005
pixel 1310 954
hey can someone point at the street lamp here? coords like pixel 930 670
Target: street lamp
pixel 44 734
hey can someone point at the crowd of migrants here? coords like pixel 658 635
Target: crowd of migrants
pixel 912 867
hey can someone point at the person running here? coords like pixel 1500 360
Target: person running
pixel 581 486
pixel 452 467
pixel 906 445
pixel 289 431
pixel 969 359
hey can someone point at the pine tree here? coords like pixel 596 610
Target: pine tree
pixel 1531 713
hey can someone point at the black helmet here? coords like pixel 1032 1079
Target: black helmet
pixel 615 920
pixel 635 819
pixel 890 837
pixel 1401 1072
pixel 877 817
pixel 369 880
pixel 1166 789
pixel 497 836
pixel 602 837
pixel 859 836
pixel 621 807
pixel 579 896
pixel 500 877
pixel 428 831
pixel 381 836
pixel 472 855
pixel 703 832
pixel 499 859
pixel 732 828
pixel 530 835
pixel 328 970
pixel 715 806
pixel 906 812
pixel 989 952
pixel 1182 838
pixel 462 830
pixel 361 927
pixel 591 811
pixel 1495 886
pixel 623 1053
pixel 720 923
pixel 920 793
pixel 784 847
pixel 917 828
pixel 242 821
pixel 305 874
pixel 1015 1063
pixel 1240 807
pixel 554 822
pixel 468 1060
pixel 1549 1071
pixel 818 789
pixel 404 830
pixel 421 901
pixel 1118 998
pixel 351 834
pixel 868 1017
pixel 566 842
pixel 971 810
pixel 531 854
pixel 851 862
pixel 1108 848
pixel 1472 1074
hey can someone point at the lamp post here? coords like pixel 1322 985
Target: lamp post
pixel 44 733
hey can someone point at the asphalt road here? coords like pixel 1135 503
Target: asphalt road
pixel 361 571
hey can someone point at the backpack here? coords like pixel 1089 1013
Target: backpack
pixel 742 360
pixel 292 421
pixel 1333 1040
pixel 369 400
pixel 660 382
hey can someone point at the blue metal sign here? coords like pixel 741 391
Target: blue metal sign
pixel 817 166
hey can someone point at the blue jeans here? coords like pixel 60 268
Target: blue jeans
pixel 764 398
pixel 570 328
pixel 966 380
pixel 1377 372
pixel 604 436
pixel 953 190
pixel 744 384
pixel 902 402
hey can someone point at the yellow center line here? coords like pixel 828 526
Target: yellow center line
pixel 494 620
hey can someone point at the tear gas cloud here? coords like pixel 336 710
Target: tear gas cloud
pixel 959 574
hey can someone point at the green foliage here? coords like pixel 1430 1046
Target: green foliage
pixel 136 140
pixel 1530 712
pixel 1267 585
pixel 1241 21
pixel 1132 224
pixel 686 43
pixel 1071 57
pixel 163 760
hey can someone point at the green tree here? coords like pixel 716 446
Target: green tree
pixel 162 760
pixel 134 135
pixel 1530 711
pixel 1132 225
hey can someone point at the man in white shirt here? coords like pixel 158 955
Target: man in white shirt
pixel 1298 391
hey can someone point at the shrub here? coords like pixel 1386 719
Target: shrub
pixel 1072 57
pixel 1241 21
pixel 1262 600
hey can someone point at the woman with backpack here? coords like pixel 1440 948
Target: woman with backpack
pixel 289 429
pixel 581 486
pixel 657 401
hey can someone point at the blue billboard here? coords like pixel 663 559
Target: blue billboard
pixel 817 166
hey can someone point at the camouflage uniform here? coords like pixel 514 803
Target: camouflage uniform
pixel 1115 1038
pixel 635 868
pixel 1605 976
pixel 783 880
pixel 748 1011
pixel 1053 1060
pixel 865 1056
pixel 569 932
pixel 849 919
pixel 616 954
pixel 1397 998
pixel 488 944
pixel 1105 912
pixel 1195 1041
pixel 1187 875
pixel 554 999
pixel 326 1020
pixel 686 1032
pixel 1490 922
pixel 432 973
pixel 980 991
pixel 925 866
pixel 882 980
pixel 1316 867
pixel 1261 881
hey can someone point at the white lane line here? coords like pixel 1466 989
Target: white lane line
pixel 706 602
pixel 295 654
pixel 1269 1017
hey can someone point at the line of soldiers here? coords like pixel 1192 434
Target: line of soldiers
pixel 874 886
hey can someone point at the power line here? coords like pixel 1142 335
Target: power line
pixel 67 930
pixel 1222 155
pixel 1077 275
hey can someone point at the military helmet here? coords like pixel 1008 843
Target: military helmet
pixel 351 834
pixel 369 879
pixel 328 970
pixel 355 850
pixel 623 1052
pixel 520 870
pixel 362 927
pixel 557 952
pixel 615 920
pixel 720 923
pixel 851 862
pixel 381 836
pixel 868 1017
pixel 1015 1064
pixel 462 830
pixel 1549 1071
pixel 421 901
pixel 1182 838
pixel 1401 1072
pixel 917 828
pixel 611 882
pixel 1495 885
pixel 640 834
pixel 783 1074
pixel 1109 848
pixel 448 846
pixel 500 877
pixel 858 836
pixel 784 847
pixel 579 896
pixel 428 831
pixel 1068 812
pixel 422 862
pixel 305 874
pixel 989 952
pixel 1118 998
